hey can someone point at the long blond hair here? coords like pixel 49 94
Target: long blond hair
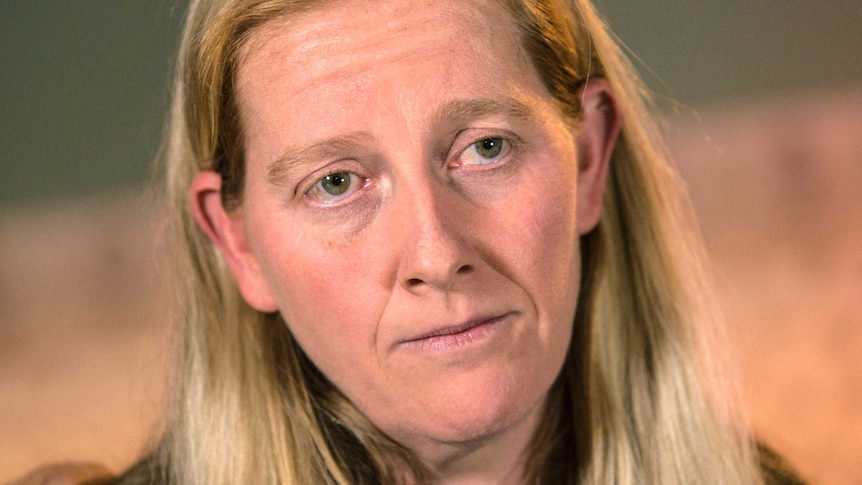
pixel 631 404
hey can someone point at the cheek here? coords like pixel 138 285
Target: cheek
pixel 531 239
pixel 330 297
pixel 556 274
pixel 548 239
pixel 542 244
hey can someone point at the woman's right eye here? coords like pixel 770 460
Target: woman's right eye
pixel 335 187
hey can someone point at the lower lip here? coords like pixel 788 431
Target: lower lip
pixel 471 336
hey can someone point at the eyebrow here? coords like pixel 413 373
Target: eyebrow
pixel 281 170
pixel 465 109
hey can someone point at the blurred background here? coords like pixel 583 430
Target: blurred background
pixel 762 103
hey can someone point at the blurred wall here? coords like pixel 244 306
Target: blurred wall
pixel 716 51
pixel 83 92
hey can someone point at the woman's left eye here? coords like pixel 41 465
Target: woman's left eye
pixel 485 151
pixel 335 187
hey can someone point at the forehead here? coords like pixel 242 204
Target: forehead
pixel 357 37
pixel 385 69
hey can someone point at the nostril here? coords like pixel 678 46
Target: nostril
pixel 441 281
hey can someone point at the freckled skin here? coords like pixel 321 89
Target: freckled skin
pixel 428 239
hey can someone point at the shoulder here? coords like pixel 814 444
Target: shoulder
pixel 145 472
pixel 67 474
pixel 776 471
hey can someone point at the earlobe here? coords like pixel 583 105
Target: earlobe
pixel 596 141
pixel 228 235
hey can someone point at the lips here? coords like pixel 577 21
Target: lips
pixel 455 336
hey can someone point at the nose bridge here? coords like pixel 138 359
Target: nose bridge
pixel 434 251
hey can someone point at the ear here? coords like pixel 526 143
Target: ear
pixel 596 140
pixel 227 232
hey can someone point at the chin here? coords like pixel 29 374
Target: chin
pixel 459 415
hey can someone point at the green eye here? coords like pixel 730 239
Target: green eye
pixel 486 151
pixel 335 187
pixel 336 183
pixel 489 147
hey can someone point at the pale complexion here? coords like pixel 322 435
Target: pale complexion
pixel 412 206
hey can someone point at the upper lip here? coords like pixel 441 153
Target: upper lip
pixel 458 328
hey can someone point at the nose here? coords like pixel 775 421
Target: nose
pixel 435 228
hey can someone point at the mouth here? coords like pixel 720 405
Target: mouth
pixel 456 336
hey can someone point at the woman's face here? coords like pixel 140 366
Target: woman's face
pixel 411 208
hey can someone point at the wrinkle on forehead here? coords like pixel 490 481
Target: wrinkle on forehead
pixel 325 44
pixel 374 66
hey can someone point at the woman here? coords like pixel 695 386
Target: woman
pixel 429 242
